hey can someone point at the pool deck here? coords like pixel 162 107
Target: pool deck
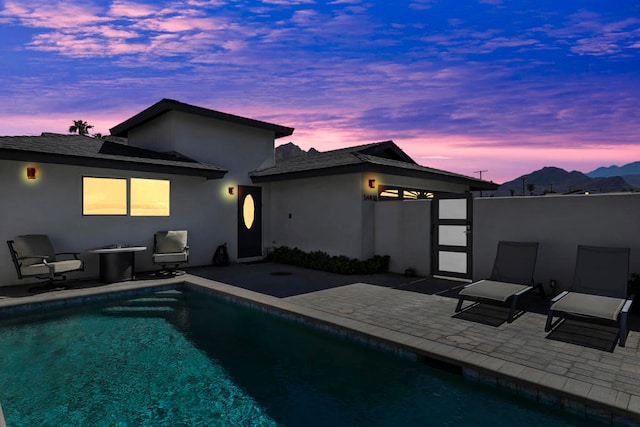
pixel 416 315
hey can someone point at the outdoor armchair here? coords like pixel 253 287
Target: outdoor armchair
pixel 599 289
pixel 33 256
pixel 511 276
pixel 170 249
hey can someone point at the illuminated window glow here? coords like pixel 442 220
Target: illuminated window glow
pixel 110 196
pixel 104 196
pixel 387 192
pixel 248 211
pixel 150 197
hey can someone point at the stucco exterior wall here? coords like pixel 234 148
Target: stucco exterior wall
pixel 320 213
pixel 559 224
pixel 237 148
pixel 402 231
pixel 52 205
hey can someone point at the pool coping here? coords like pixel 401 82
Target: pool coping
pixel 548 388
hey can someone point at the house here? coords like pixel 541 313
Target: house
pixel 179 166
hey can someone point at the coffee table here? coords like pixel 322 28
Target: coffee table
pixel 117 263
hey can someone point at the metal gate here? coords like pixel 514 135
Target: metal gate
pixel 452 236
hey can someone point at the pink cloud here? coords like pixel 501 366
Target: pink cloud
pixel 127 9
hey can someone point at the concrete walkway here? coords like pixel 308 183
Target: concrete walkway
pixel 595 382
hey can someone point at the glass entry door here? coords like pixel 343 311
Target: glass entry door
pixel 452 237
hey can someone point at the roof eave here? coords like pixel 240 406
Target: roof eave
pixel 132 165
pixel 474 185
pixel 167 105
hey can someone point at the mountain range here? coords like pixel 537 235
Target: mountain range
pixel 555 180
pixel 609 179
pixel 291 150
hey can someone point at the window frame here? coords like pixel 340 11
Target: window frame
pixel 128 197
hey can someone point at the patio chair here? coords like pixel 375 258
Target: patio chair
pixel 511 276
pixel 599 289
pixel 170 248
pixel 33 256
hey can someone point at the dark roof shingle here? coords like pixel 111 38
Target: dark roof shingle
pixel 93 152
pixel 166 105
pixel 385 157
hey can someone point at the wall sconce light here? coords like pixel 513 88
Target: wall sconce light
pixel 231 190
pixel 372 183
pixel 31 173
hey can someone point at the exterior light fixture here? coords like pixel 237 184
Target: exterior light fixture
pixel 31 172
pixel 372 183
pixel 231 191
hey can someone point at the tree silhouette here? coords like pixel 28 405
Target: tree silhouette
pixel 530 188
pixel 80 126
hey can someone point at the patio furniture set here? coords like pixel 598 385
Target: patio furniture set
pixel 33 256
pixel 599 291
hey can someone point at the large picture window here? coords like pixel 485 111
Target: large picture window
pixel 104 196
pixel 149 197
pixel 120 196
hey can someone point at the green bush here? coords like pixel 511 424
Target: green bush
pixel 318 260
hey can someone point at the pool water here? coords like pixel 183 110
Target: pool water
pixel 184 358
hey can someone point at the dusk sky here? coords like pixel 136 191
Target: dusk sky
pixel 505 87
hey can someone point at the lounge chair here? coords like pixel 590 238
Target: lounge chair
pixel 170 249
pixel 512 276
pixel 33 256
pixel 599 289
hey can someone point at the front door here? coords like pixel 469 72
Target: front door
pixel 451 244
pixel 249 221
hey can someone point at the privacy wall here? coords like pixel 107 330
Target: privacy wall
pixel 559 223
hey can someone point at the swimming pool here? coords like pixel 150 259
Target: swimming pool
pixel 186 358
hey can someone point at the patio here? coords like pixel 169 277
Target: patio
pixel 417 315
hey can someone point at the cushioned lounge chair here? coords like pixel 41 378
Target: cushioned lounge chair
pixel 170 249
pixel 33 256
pixel 511 276
pixel 599 289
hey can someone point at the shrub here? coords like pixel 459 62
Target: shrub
pixel 318 260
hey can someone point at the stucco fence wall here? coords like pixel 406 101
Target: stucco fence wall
pixel 558 223
pixel 403 231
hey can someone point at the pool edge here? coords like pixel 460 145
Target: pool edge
pixel 485 369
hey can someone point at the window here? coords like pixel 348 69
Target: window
pixel 104 196
pixel 387 192
pixel 110 196
pixel 149 197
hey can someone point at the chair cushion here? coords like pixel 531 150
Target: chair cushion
pixel 590 305
pixel 58 267
pixel 170 241
pixel 33 244
pixel 491 289
pixel 169 258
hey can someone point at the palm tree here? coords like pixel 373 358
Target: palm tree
pixel 80 126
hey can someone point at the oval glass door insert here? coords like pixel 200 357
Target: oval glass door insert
pixel 248 211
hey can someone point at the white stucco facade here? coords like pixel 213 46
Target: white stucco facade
pixel 52 205
pixel 335 213
pixel 234 147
